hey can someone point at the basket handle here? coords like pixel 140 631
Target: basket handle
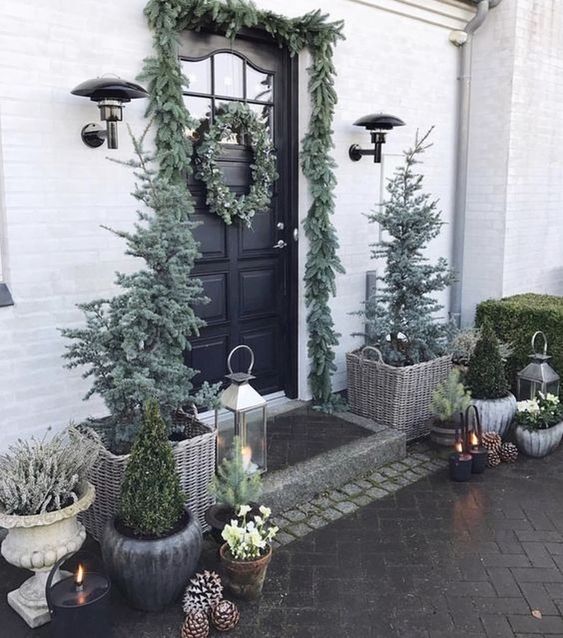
pixel 539 332
pixel 365 349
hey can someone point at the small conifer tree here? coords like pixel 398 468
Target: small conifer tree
pixel 233 485
pixel 486 375
pixel 401 317
pixel 133 344
pixel 450 397
pixel 152 501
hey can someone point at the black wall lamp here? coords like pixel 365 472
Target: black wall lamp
pixel 378 124
pixel 110 93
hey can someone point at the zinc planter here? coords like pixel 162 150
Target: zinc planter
pixel 152 573
pixel 398 398
pixel 36 543
pixel 496 414
pixel 538 443
pixel 244 578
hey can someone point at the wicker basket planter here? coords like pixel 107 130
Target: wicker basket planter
pixel 398 398
pixel 195 461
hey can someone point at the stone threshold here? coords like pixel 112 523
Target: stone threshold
pixel 285 488
pixel 330 505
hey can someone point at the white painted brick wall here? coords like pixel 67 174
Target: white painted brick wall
pixel 58 193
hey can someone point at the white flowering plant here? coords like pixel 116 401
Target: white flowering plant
pixel 249 539
pixel 541 413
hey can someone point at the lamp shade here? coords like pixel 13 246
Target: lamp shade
pixel 379 122
pixel 109 88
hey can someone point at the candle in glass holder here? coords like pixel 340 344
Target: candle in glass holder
pixel 460 463
pixel 479 455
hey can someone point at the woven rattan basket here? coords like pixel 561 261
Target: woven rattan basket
pixel 195 461
pixel 396 397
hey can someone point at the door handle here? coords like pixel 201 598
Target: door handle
pixel 280 244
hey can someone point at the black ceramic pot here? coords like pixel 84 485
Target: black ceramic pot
pixel 218 515
pixel 152 573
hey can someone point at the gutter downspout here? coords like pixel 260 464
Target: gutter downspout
pixel 463 40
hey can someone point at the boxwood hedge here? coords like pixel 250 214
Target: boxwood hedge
pixel 515 319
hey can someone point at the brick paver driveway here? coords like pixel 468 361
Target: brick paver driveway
pixel 434 560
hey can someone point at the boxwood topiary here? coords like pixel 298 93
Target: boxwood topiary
pixel 152 502
pixel 515 319
pixel 486 376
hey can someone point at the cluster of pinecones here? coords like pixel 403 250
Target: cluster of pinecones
pixel 204 606
pixel 499 452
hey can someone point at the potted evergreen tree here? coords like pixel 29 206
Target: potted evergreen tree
pixel 152 547
pixel 133 344
pixel 449 400
pixel 395 386
pixel 232 487
pixel 486 379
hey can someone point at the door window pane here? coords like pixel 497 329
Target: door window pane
pixel 235 137
pixel 265 113
pixel 259 86
pixel 198 74
pixel 228 75
pixel 200 110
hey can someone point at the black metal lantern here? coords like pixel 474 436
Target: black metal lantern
pixel 378 124
pixel 538 375
pixel 247 418
pixel 110 93
pixel 79 604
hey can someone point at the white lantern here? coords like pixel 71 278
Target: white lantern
pixel 246 419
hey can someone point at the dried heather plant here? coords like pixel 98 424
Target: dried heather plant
pixel 38 476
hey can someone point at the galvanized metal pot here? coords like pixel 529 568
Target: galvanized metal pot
pixel 152 573
pixel 244 578
pixel 538 443
pixel 496 414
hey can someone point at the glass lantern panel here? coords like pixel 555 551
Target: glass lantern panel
pixel 525 389
pixel 253 436
pixel 225 436
pixel 553 388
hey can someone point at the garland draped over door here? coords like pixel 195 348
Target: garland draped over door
pixel 167 18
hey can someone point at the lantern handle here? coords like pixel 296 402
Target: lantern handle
pixel 241 347
pixel 477 419
pixel 539 332
pixel 49 582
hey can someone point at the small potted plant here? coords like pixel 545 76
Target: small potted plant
pixel 486 379
pixel 43 488
pixel 539 425
pixel 448 400
pixel 247 552
pixel 152 547
pixel 232 486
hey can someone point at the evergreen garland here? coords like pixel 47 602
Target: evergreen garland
pixel 163 73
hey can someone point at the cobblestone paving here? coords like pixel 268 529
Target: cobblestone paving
pixel 433 559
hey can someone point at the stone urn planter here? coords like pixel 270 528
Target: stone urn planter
pixel 152 573
pixel 244 578
pixel 538 443
pixel 36 543
pixel 496 414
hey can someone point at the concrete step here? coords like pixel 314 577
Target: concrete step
pixel 287 487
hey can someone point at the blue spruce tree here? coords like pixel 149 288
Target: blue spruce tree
pixel 401 316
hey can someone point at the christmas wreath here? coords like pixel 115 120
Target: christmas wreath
pixel 237 118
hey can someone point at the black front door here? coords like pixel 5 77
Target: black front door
pixel 248 273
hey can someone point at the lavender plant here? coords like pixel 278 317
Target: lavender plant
pixel 38 476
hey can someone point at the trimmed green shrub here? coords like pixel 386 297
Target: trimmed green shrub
pixel 486 376
pixel 515 319
pixel 152 502
pixel 233 485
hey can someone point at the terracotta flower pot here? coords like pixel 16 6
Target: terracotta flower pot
pixel 245 578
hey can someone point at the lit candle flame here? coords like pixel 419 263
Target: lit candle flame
pixel 246 457
pixel 459 447
pixel 79 576
pixel 474 440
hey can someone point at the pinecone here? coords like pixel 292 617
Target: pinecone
pixel 494 458
pixel 491 441
pixel 225 615
pixel 508 453
pixel 196 625
pixel 203 592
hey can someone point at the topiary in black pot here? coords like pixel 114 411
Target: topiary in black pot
pixel 152 547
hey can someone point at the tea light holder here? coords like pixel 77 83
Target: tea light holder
pixel 479 454
pixel 460 461
pixel 80 604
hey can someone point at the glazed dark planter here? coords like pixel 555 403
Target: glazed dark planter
pixel 218 515
pixel 152 573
